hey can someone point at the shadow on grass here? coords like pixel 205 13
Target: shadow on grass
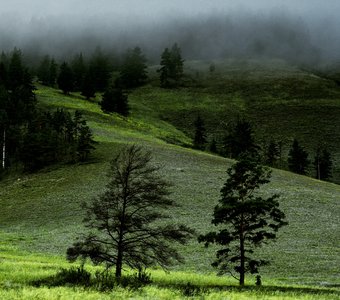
pixel 189 289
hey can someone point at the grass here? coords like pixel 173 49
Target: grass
pixel 41 214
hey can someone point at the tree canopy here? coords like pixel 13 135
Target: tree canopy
pixel 245 219
pixel 171 71
pixel 123 220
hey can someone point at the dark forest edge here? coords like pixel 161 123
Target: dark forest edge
pixel 114 79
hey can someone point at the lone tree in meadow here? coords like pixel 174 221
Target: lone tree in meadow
pixel 123 221
pixel 298 159
pixel 245 218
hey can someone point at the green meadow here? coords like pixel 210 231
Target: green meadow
pixel 41 214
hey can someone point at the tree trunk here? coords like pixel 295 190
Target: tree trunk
pixel 4 150
pixel 242 254
pixel 242 262
pixel 119 263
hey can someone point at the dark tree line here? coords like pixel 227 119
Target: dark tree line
pixel 17 105
pixel 239 140
pixel 30 137
pixel 53 137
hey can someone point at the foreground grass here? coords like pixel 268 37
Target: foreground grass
pixel 18 271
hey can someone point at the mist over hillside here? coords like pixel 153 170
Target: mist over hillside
pixel 304 32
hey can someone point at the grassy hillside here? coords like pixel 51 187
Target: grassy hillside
pixel 41 214
pixel 282 101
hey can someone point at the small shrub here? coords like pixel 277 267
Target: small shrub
pixel 258 281
pixel 190 290
pixel 74 276
pixel 104 281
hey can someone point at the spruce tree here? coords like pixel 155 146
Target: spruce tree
pixel 200 136
pixel 298 159
pixel 245 219
pixel 171 71
pixel 88 89
pixel 133 71
pixel 240 140
pixel 114 100
pixel 323 164
pixel 272 154
pixel 65 79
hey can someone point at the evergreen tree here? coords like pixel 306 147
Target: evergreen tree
pixel 200 137
pixel 298 159
pixel 114 100
pixel 323 164
pixel 123 222
pixel 88 89
pixel 3 74
pixel 43 71
pixel 240 140
pixel 171 70
pixel 246 220
pixel 100 69
pixel 53 72
pixel 213 146
pixel 65 78
pixel 133 71
pixel 272 154
pixel 16 70
pixel 79 71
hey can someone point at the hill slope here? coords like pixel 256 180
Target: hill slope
pixel 41 212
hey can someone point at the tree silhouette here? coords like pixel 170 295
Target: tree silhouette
pixel 246 220
pixel 133 71
pixel 65 78
pixel 323 164
pixel 298 159
pixel 200 137
pixel 171 70
pixel 240 140
pixel 123 221
pixel 114 100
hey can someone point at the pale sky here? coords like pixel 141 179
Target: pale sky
pixel 52 25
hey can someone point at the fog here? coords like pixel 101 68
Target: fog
pixel 305 32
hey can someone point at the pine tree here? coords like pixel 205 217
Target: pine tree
pixel 65 78
pixel 123 222
pixel 100 69
pixel 171 71
pixel 88 89
pixel 298 159
pixel 16 70
pixel 114 100
pixel 240 140
pixel 133 71
pixel 200 136
pixel 323 164
pixel 43 71
pixel 245 220
pixel 78 67
pixel 272 154
pixel 53 72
